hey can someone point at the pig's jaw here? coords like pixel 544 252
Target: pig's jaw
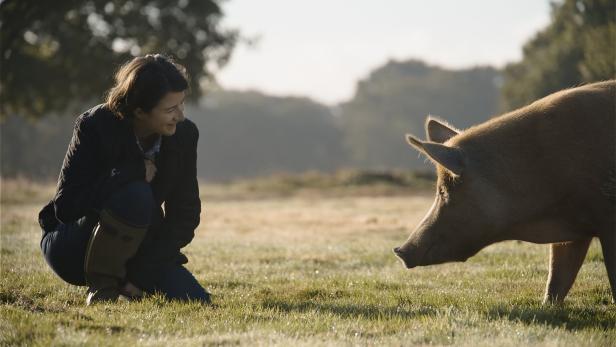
pixel 427 258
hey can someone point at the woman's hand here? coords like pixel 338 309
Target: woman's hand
pixel 150 170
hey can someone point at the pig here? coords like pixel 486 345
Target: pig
pixel 544 173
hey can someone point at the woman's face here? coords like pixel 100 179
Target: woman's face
pixel 162 119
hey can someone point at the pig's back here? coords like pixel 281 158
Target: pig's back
pixel 562 146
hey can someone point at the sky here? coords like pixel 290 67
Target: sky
pixel 321 48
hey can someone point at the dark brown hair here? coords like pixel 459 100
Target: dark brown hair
pixel 143 82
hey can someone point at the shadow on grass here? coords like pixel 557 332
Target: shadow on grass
pixel 569 318
pixel 349 310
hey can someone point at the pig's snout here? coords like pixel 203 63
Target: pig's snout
pixel 404 256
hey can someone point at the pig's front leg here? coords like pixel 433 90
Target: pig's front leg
pixel 565 262
pixel 608 244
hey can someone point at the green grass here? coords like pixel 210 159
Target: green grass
pixel 306 269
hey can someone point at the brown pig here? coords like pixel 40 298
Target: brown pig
pixel 545 173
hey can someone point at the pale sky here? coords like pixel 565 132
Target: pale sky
pixel 321 48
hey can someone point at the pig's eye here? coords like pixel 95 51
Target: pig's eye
pixel 442 192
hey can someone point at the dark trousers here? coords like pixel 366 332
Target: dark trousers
pixel 64 248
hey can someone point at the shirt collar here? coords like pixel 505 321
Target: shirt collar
pixel 152 151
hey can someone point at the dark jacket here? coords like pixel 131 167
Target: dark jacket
pixel 103 155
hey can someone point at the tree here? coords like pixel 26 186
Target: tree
pixel 578 46
pixel 58 54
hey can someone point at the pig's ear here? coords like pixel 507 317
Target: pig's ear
pixel 449 157
pixel 439 131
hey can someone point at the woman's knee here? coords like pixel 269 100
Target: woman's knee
pixel 133 203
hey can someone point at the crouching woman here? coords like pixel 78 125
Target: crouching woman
pixel 105 227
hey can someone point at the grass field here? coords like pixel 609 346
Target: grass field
pixel 305 267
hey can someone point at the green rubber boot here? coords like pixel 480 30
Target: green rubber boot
pixel 111 245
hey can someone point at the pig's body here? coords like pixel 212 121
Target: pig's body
pixel 545 173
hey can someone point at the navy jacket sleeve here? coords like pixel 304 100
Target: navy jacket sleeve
pixel 84 181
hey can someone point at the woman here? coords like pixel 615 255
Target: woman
pixel 105 227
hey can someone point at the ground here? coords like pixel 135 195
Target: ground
pixel 305 267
